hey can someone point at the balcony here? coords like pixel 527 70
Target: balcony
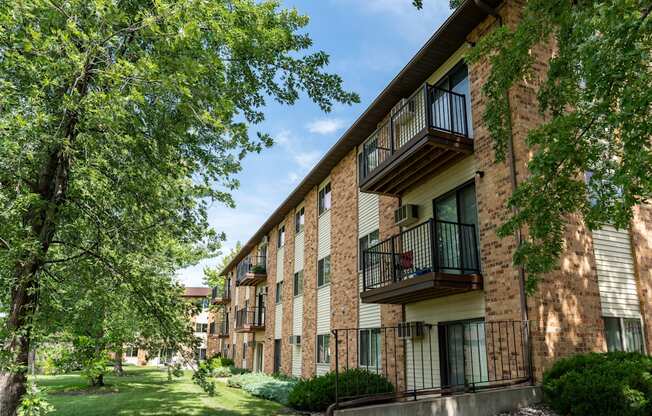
pixel 249 319
pixel 251 271
pixel 431 260
pixel 221 296
pixel 223 330
pixel 423 136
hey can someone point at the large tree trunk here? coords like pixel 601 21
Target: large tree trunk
pixel 117 362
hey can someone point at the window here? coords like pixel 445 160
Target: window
pixel 325 198
pixel 624 334
pixel 201 327
pixel 281 237
pixel 324 271
pixel 369 347
pixel 298 283
pixel 367 241
pixel 204 304
pixel 323 349
pixel 277 355
pixel 131 352
pixel 299 220
pixel 279 292
pixel 211 328
pixel 200 354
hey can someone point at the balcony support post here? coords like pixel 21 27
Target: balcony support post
pixel 426 103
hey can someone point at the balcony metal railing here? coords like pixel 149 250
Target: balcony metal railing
pixel 251 264
pixel 457 357
pixel 432 246
pixel 429 107
pixel 252 316
pixel 223 292
pixel 224 327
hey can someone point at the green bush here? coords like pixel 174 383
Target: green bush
pixel 317 393
pixel 611 384
pixel 217 362
pixel 228 371
pixel 265 386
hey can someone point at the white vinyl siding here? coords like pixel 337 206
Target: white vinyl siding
pixel 280 257
pixel 456 175
pixel 368 217
pixel 368 221
pixel 278 320
pixel 296 360
pixel 615 268
pixel 324 237
pixel 451 308
pixel 297 329
pixel 298 251
pixel 324 310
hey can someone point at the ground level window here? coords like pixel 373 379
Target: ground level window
pixel 200 354
pixel 624 334
pixel 323 349
pixel 131 352
pixel 370 347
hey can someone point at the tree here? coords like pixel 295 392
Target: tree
pixel 120 122
pixel 592 155
pixel 212 277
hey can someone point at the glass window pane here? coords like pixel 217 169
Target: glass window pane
pixel 633 335
pixel 612 328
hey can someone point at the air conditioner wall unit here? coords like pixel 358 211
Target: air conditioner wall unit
pixel 295 339
pixel 406 215
pixel 411 330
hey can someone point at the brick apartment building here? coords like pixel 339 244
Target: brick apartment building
pixel 196 295
pixel 386 255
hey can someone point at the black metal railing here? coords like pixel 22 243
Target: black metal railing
pixel 429 107
pixel 224 327
pixel 223 292
pixel 250 316
pixel 432 246
pixel 420 358
pixel 251 264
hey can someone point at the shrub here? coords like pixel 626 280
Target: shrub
pixel 222 362
pixel 228 371
pixel 263 385
pixel 317 393
pixel 202 377
pixel 34 402
pixel 611 384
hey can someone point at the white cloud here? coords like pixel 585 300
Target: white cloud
pixel 307 159
pixel 325 126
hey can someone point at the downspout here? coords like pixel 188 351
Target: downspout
pixel 514 182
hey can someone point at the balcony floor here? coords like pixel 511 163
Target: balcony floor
pixel 252 279
pixel 428 286
pixel 250 328
pixel 428 153
pixel 221 301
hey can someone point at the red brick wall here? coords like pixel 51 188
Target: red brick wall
pixel 309 286
pixel 286 296
pixel 270 306
pixel 642 246
pixel 344 247
pixel 565 310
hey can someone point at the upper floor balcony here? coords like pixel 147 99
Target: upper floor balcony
pixel 433 259
pixel 223 328
pixel 251 271
pixel 250 318
pixel 222 295
pixel 422 136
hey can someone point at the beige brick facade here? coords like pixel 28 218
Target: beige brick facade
pixel 642 246
pixel 308 339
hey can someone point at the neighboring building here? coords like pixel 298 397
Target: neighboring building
pixel 198 295
pixel 388 247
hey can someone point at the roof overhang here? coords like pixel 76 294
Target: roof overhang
pixel 441 45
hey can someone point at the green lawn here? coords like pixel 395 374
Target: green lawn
pixel 146 391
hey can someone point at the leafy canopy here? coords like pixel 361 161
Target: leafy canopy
pixel 120 122
pixel 592 155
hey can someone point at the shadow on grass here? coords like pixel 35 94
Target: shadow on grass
pixel 146 391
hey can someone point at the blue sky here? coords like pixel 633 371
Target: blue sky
pixel 368 41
